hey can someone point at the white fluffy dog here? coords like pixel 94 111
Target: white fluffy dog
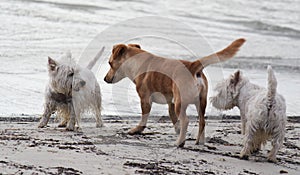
pixel 263 111
pixel 71 91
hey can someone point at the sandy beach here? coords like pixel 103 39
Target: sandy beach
pixel 25 149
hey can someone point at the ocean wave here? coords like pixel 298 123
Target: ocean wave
pixel 278 63
pixel 268 29
pixel 71 6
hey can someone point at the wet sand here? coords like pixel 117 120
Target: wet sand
pixel 26 149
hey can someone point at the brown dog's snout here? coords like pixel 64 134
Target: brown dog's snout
pixel 108 80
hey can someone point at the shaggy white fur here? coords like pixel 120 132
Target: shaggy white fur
pixel 263 111
pixel 71 91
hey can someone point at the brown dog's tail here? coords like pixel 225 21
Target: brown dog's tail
pixel 220 56
pixel 93 62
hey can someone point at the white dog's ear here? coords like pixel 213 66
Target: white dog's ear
pixel 78 83
pixel 235 78
pixel 51 64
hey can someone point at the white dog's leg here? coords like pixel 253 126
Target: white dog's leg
pixel 72 121
pixel 49 109
pixel 99 122
pixel 78 121
pixel 243 121
pixel 246 149
pixel 64 115
pixel 276 144
pixel 248 144
pixel 97 108
pixel 273 152
pixel 78 113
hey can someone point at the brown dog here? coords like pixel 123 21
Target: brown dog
pixel 166 81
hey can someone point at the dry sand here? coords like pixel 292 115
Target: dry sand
pixel 26 149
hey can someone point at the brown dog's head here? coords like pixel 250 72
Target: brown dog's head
pixel 118 57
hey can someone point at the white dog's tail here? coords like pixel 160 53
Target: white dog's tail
pixel 93 62
pixel 272 85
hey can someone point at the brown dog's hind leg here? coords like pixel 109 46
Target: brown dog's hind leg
pixel 180 111
pixel 201 106
pixel 146 107
pixel 174 118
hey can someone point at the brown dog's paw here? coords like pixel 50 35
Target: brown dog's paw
pixel 136 130
pixel 199 143
pixel 181 145
pixel 41 125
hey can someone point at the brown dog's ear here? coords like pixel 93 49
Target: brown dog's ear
pixel 135 45
pixel 51 64
pixel 235 79
pixel 119 50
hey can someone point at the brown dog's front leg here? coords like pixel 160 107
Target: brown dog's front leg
pixel 146 107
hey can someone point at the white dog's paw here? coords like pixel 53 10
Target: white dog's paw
pixel 70 126
pixel 78 129
pixel 42 123
pixel 99 125
pixel 244 155
pixel 272 159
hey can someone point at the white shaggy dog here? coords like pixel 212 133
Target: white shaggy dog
pixel 71 91
pixel 263 111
